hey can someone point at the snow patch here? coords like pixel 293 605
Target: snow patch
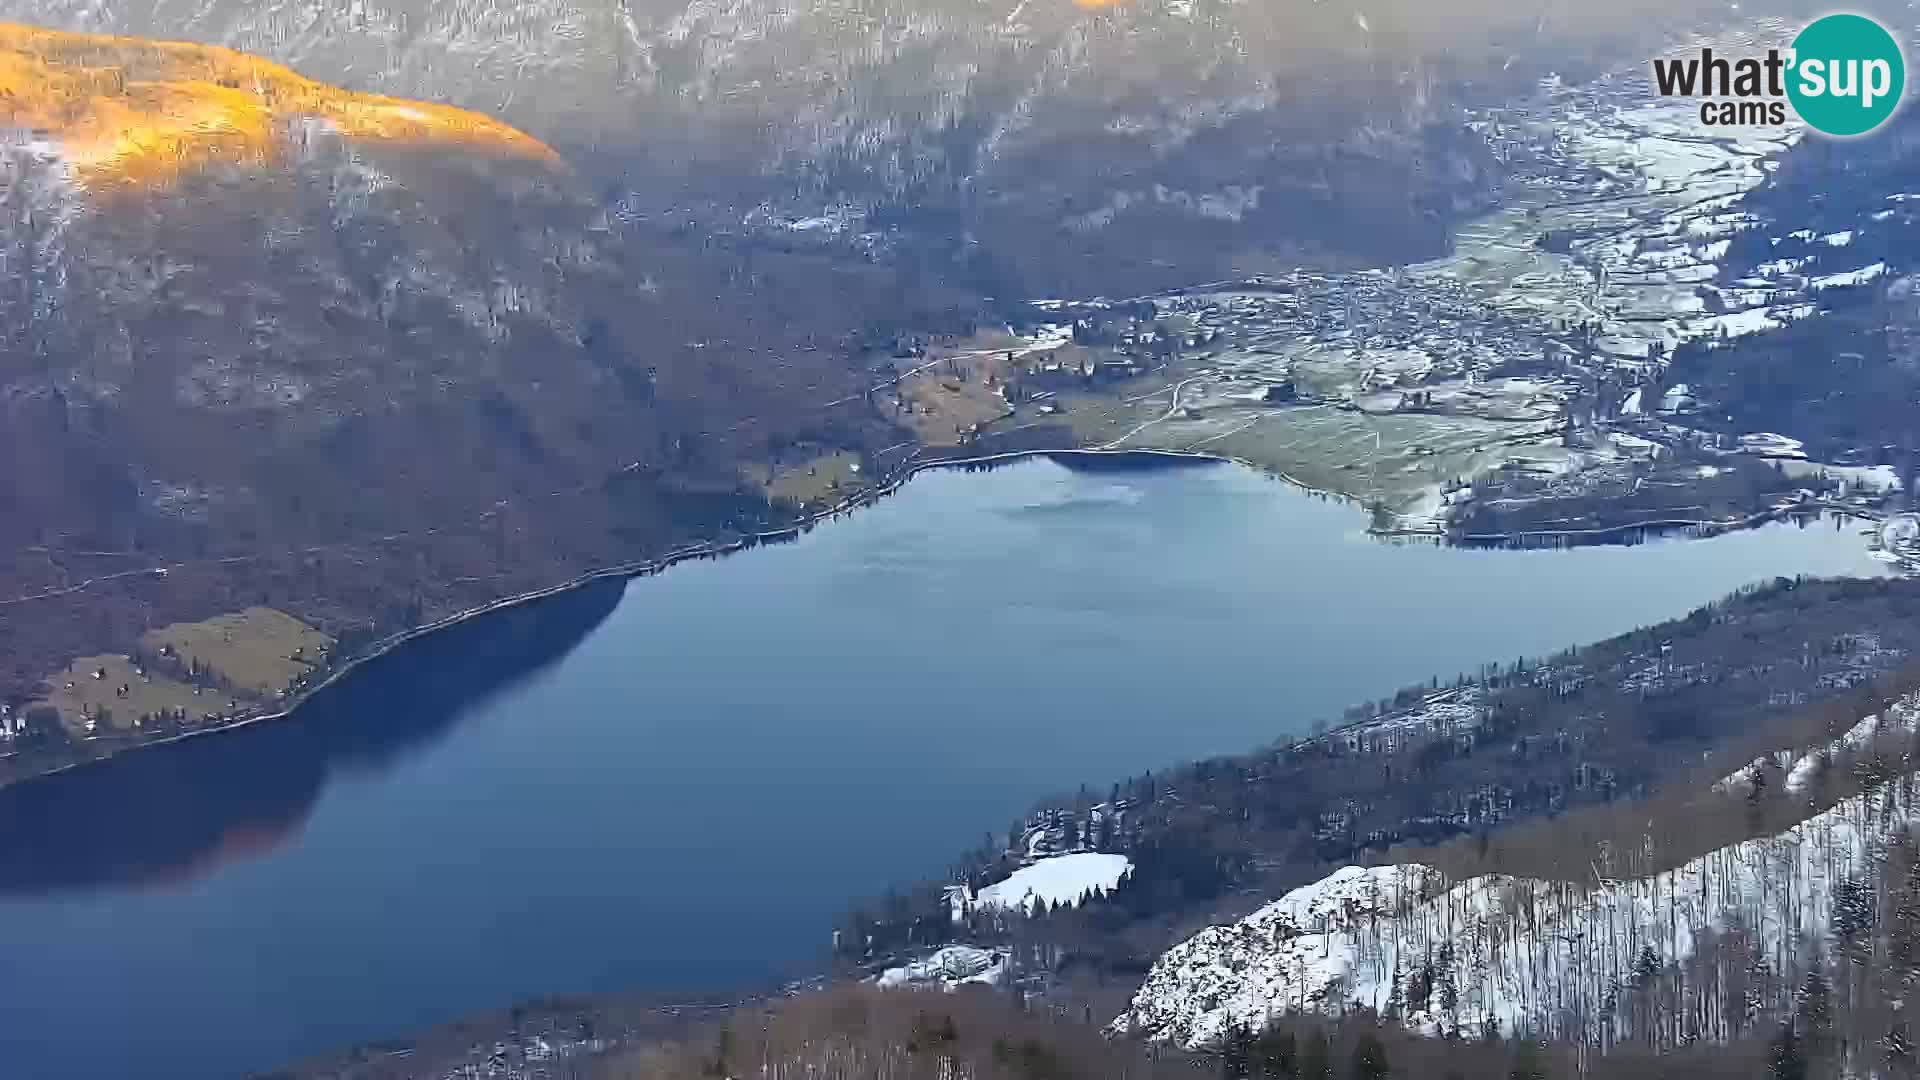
pixel 1851 277
pixel 1742 323
pixel 953 966
pixel 1061 879
pixel 1773 444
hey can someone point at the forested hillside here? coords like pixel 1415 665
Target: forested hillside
pixel 1683 852
pixel 268 342
pixel 1621 720
pixel 1609 942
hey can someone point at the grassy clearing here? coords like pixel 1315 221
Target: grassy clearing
pixel 825 478
pixel 259 651
pixel 111 693
pixel 957 397
pixel 1397 460
pixel 214 667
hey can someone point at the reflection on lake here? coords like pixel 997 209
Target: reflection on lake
pixel 170 814
pixel 681 783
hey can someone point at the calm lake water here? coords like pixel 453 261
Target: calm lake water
pixel 681 783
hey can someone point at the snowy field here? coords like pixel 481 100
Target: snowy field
pixel 1061 879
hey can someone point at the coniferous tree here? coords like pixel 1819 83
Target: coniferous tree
pixel 1814 1018
pixel 723 1049
pixel 1853 916
pixel 1526 1063
pixel 1903 935
pixel 1277 1055
pixel 1369 1059
pixel 1786 1060
pixel 1449 989
pixel 1236 1055
pixel 1902 1060
pixel 1317 1062
pixel 1646 967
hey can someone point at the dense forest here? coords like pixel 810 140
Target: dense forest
pixel 859 1034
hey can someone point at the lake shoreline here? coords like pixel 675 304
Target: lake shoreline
pixel 866 497
pixel 627 571
pixel 593 769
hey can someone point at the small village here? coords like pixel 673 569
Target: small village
pixel 1531 365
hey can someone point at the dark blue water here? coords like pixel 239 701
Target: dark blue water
pixel 681 783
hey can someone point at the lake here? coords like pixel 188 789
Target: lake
pixel 680 783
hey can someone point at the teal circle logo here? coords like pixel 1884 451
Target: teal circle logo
pixel 1847 75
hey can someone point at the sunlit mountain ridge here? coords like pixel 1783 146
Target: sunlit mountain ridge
pixel 121 110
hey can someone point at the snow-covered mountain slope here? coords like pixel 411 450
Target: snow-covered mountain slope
pixel 1050 131
pixel 1554 958
pixel 827 73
